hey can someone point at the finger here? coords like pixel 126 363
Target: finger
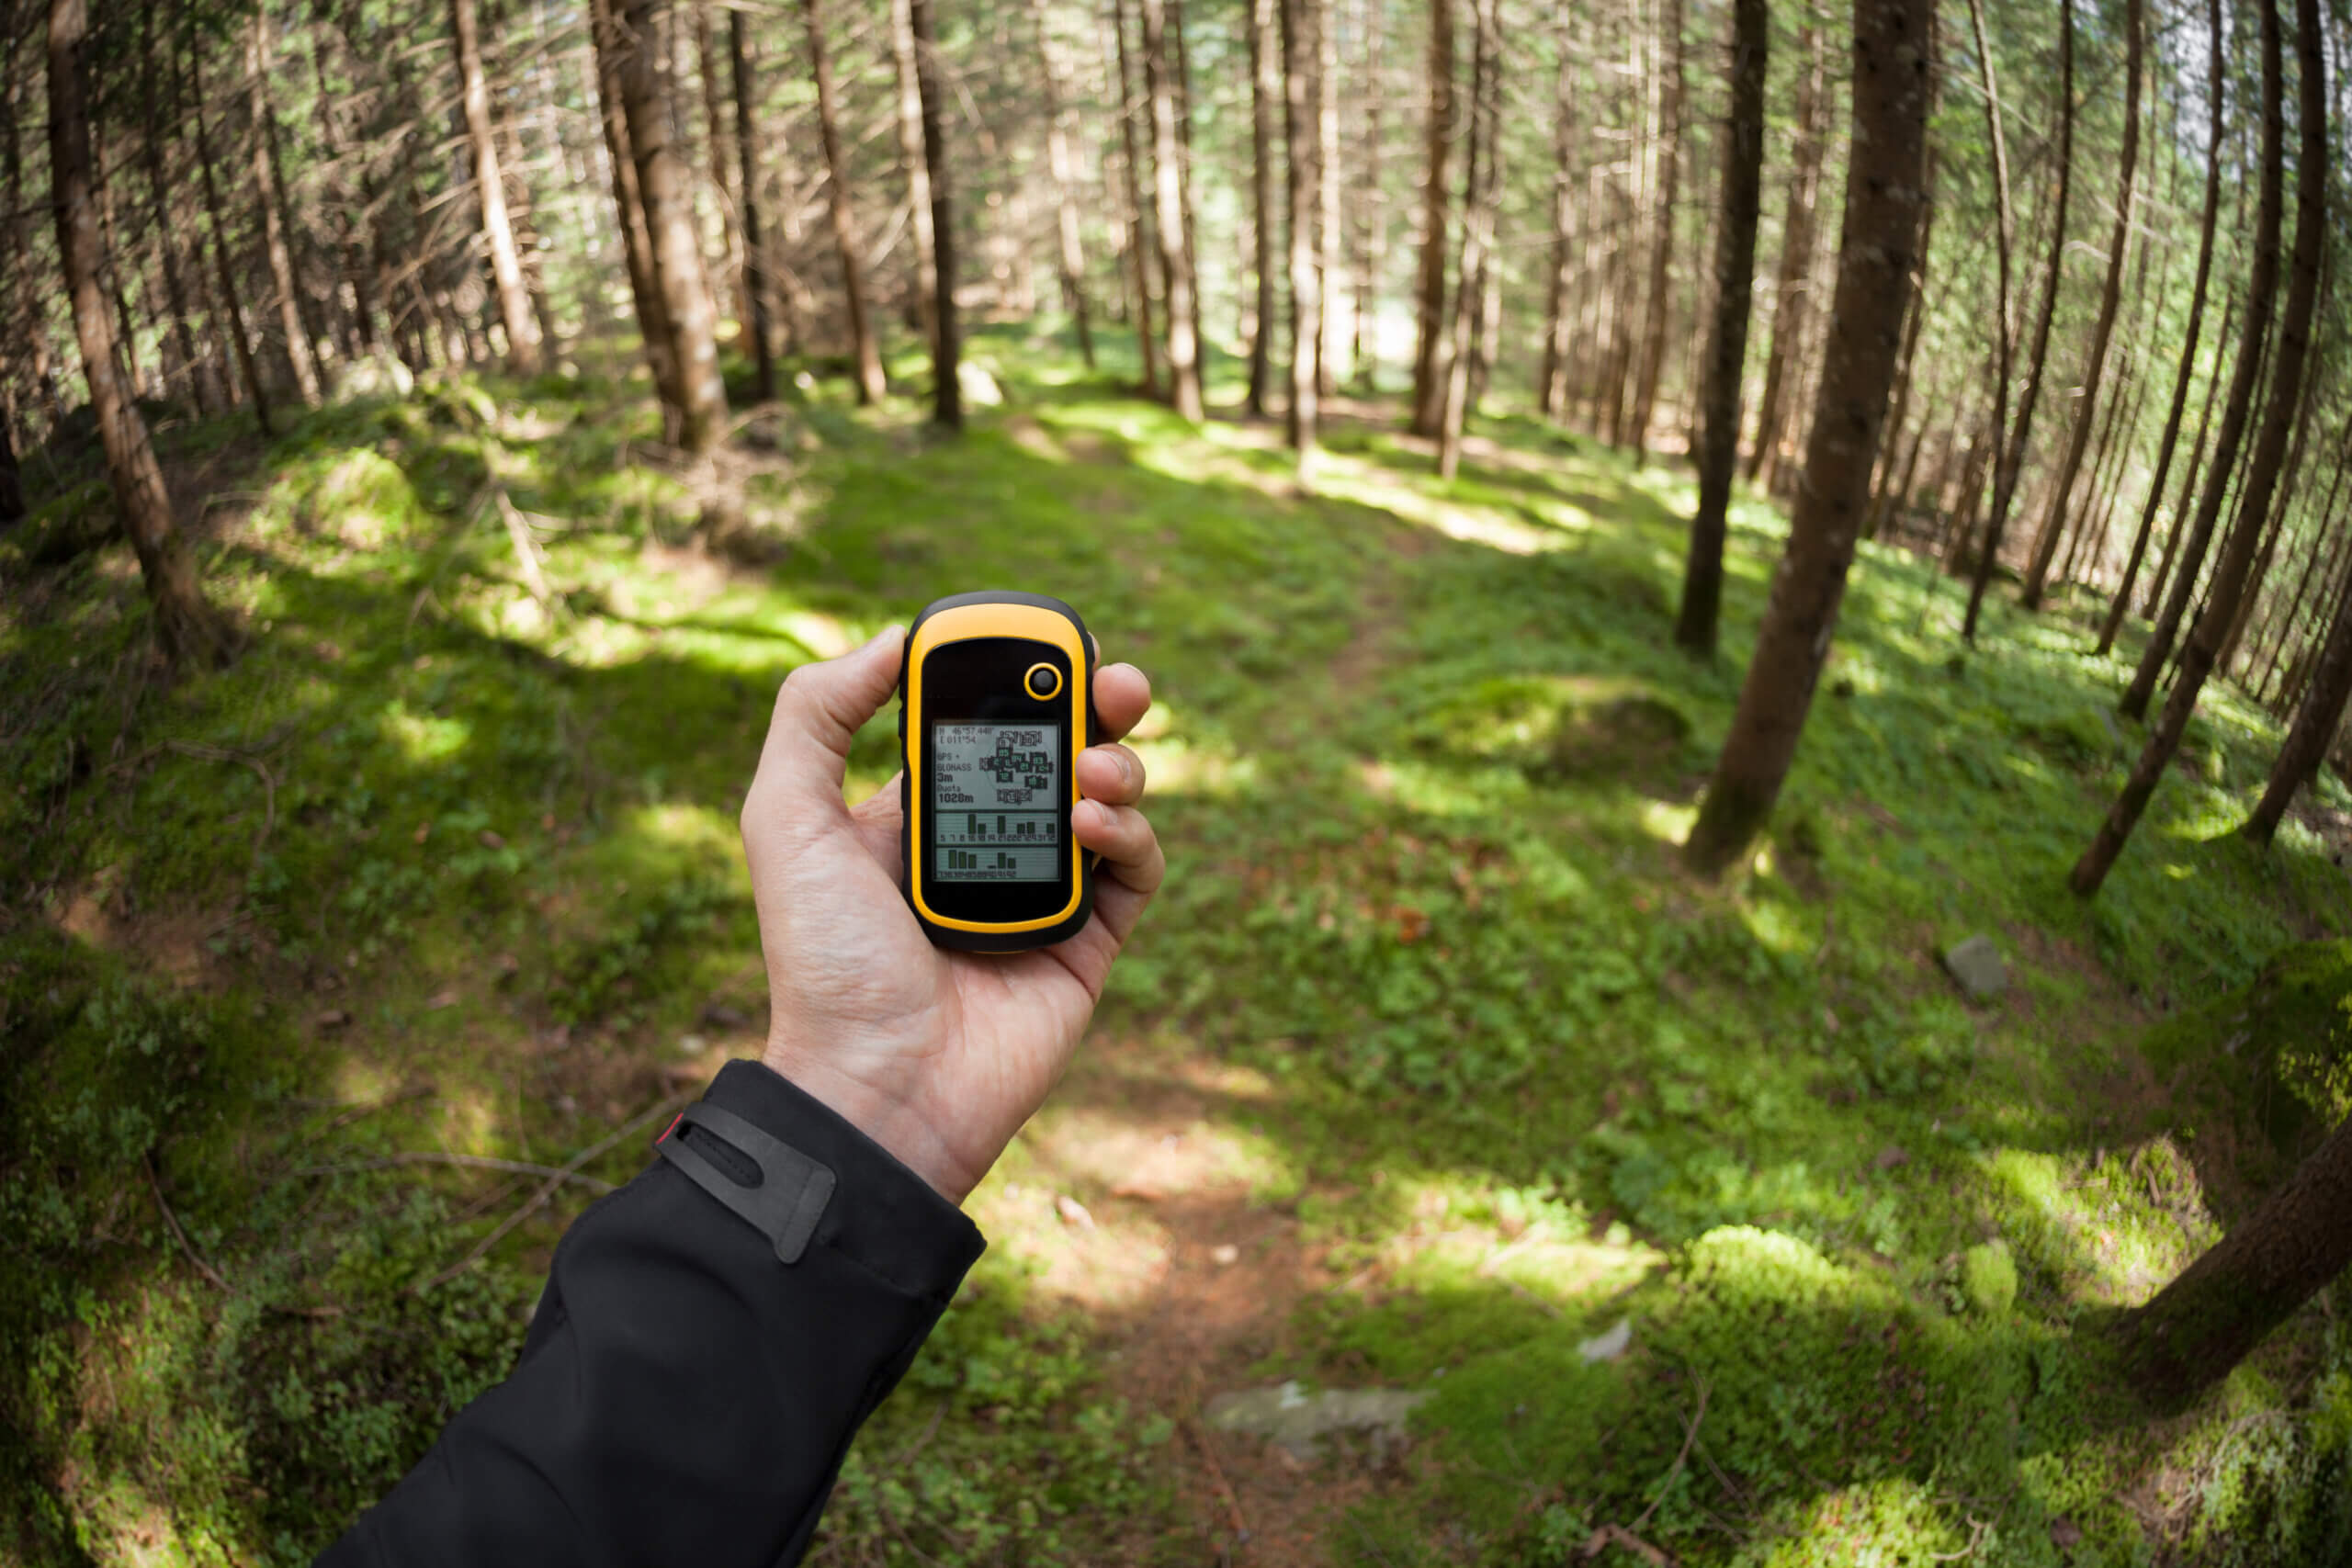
pixel 1122 696
pixel 877 819
pixel 1132 862
pixel 818 711
pixel 1112 774
pixel 1122 836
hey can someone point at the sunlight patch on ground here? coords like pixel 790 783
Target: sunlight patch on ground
pixel 1177 765
pixel 1878 1524
pixel 422 738
pixel 1666 822
pixel 2109 1229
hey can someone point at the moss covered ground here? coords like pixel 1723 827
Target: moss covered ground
pixel 1429 1070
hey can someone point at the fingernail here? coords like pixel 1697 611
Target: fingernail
pixel 1126 769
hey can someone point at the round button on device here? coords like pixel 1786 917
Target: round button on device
pixel 1043 681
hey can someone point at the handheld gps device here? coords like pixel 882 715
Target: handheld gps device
pixel 996 702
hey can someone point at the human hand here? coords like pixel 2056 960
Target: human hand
pixel 938 1056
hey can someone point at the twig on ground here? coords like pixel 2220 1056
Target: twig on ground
pixel 471 1162
pixel 148 1162
pixel 1690 1436
pixel 1976 1528
pixel 938 1414
pixel 538 1200
pixel 1608 1535
pixel 1217 1474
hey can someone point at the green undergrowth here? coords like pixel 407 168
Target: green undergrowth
pixel 446 863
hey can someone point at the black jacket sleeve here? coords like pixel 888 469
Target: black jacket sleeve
pixel 685 1396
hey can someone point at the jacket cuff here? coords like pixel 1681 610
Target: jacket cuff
pixel 881 1215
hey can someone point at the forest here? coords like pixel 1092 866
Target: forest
pixel 1750 604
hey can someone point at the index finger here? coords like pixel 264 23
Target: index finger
pixel 1122 696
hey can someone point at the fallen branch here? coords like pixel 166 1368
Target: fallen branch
pixel 1690 1436
pixel 1608 1535
pixel 538 1200
pixel 1216 1474
pixel 147 1161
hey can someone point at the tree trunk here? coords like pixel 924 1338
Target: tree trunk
pixel 225 273
pixel 174 287
pixel 1477 229
pixel 490 185
pixel 1265 91
pixel 915 168
pixel 1552 382
pixel 1184 168
pixel 947 389
pixel 1429 387
pixel 863 347
pixel 2165 444
pixel 2287 495
pixel 1743 199
pixel 1330 283
pixel 1885 189
pixel 663 189
pixel 2324 521
pixel 1661 286
pixel 2201 1326
pixel 1069 255
pixel 1299 49
pixel 186 625
pixel 2185 509
pixel 637 241
pixel 1168 207
pixel 1791 293
pixel 2010 468
pixel 755 281
pixel 1147 337
pixel 2204 644
pixel 1884 485
pixel 2110 293
pixel 273 222
pixel 719 161
pixel 1371 213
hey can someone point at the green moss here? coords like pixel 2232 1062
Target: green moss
pixel 1988 1277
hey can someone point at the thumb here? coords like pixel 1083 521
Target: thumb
pixel 821 709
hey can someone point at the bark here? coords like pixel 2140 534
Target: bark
pixel 1429 288
pixel 1168 198
pixel 1884 181
pixel 1478 231
pixel 2311 572
pixel 1265 92
pixel 273 222
pixel 1147 339
pixel 1743 198
pixel 946 391
pixel 489 186
pixel 863 347
pixel 1660 291
pixel 2036 577
pixel 22 324
pixel 224 275
pixel 2203 648
pixel 1184 166
pixel 186 627
pixel 1069 255
pixel 2011 467
pixel 357 202
pixel 1305 201
pixel 2198 1328
pixel 664 191
pixel 1552 382
pixel 755 281
pixel 637 241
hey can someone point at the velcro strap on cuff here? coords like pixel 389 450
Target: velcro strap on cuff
pixel 786 1202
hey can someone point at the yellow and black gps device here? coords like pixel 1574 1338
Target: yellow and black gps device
pixel 996 702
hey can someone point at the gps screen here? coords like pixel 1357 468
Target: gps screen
pixel 993 811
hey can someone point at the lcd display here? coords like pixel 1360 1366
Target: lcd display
pixel 994 796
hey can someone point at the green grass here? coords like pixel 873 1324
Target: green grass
pixel 436 866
